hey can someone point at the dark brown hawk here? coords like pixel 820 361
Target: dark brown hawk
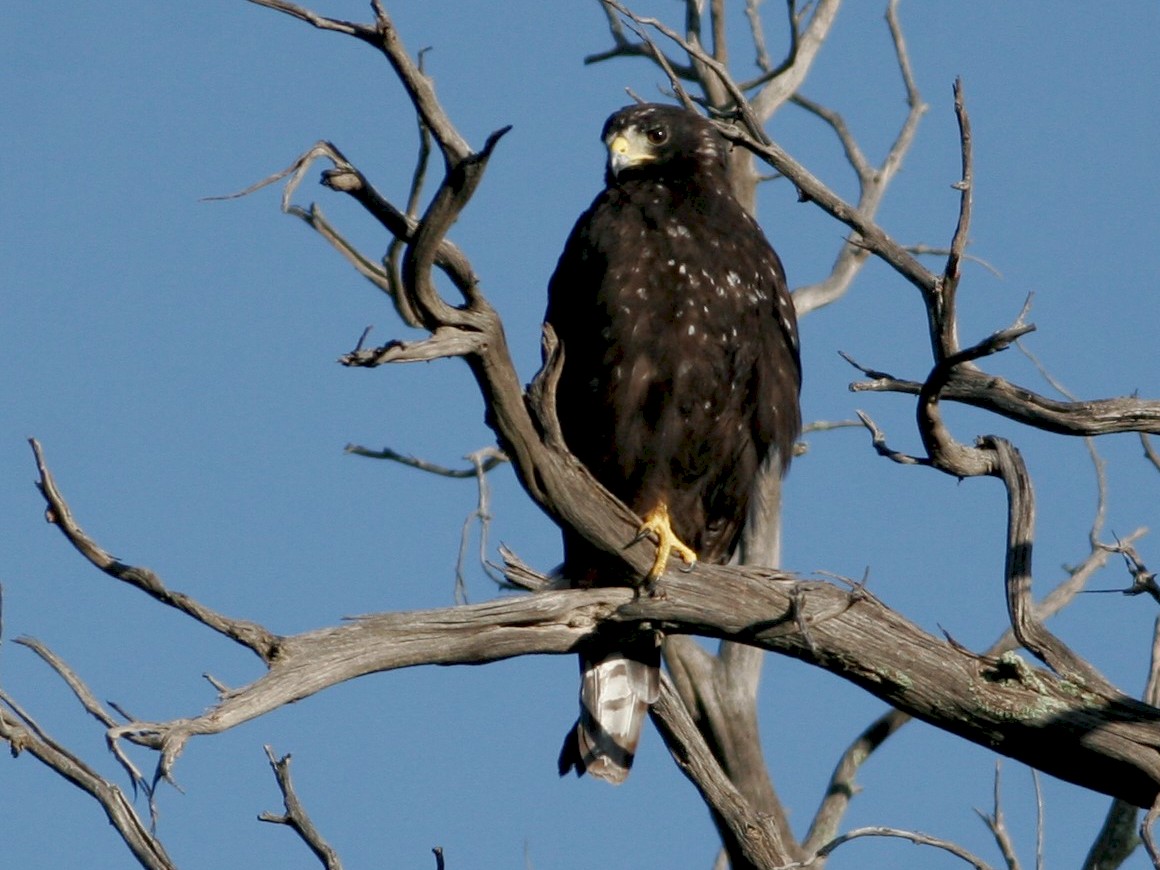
pixel 680 381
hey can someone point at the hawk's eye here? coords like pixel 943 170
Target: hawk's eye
pixel 657 135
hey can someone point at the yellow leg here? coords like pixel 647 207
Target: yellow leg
pixel 657 522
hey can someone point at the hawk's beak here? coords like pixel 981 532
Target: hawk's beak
pixel 626 150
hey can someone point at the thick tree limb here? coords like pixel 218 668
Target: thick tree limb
pixel 1085 734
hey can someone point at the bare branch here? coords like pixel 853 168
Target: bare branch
pixel 878 440
pixel 482 515
pixel 490 458
pixel 1143 580
pixel 249 634
pixel 1030 631
pixel 445 342
pixel 841 788
pixel 23 734
pixel 993 393
pixel 1147 834
pixel 296 817
pixel 935 251
pixel 945 326
pixel 1039 815
pixel 996 457
pixel 1149 451
pixel 757 33
pixel 746 831
pixel 1119 836
pixel 623 47
pixel 997 825
pixel 89 701
pixel 786 79
pixel 810 188
pixel 1117 840
pixel 945 452
pixel 1097 461
pixel 915 837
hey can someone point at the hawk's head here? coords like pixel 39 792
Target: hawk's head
pixel 656 141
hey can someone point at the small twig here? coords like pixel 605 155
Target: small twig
pixel 482 514
pixel 829 426
pixel 757 33
pixel 915 837
pixel 491 457
pixel 878 439
pixel 522 575
pixel 997 825
pixel 935 251
pixel 698 54
pixel 854 155
pixel 1097 461
pixel 663 62
pixel 1040 815
pixel 1143 580
pixel 296 817
pixel 623 47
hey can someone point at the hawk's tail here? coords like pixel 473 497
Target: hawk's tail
pixel 617 686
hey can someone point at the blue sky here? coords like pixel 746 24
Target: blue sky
pixel 177 360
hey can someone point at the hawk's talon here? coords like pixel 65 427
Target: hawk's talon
pixel 656 523
pixel 641 535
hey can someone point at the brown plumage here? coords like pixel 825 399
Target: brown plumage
pixel 680 379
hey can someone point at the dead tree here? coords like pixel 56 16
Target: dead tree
pixel 1064 718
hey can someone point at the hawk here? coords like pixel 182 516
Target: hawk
pixel 680 382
